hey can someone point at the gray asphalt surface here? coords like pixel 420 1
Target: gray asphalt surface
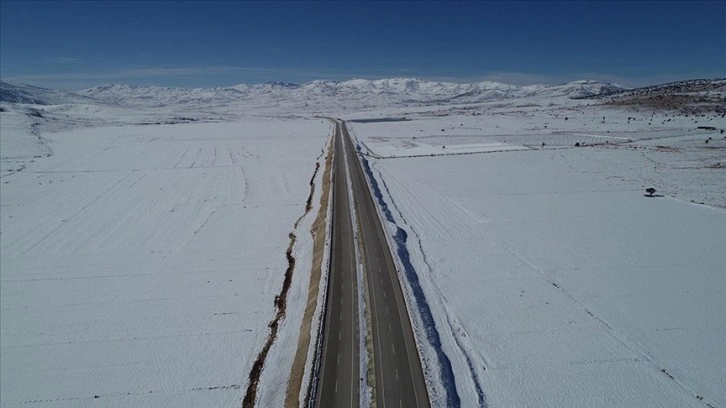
pixel 399 380
pixel 340 365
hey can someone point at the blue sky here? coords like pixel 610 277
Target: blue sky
pixel 73 45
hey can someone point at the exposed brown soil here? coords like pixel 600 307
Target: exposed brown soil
pixel 692 97
pixel 318 231
pixel 280 304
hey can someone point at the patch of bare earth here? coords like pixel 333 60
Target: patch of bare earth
pixel 280 303
pixel 318 231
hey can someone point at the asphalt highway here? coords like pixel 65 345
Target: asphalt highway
pixel 399 380
pixel 339 383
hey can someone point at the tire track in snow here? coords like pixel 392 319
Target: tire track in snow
pixel 622 338
pixel 80 210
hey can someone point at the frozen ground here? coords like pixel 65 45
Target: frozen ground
pixel 140 263
pixel 553 280
pixel 143 234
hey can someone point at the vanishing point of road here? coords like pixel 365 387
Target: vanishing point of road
pixel 399 380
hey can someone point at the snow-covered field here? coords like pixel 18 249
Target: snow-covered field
pixel 140 263
pixel 552 279
pixel 143 233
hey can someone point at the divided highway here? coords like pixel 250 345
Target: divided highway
pixel 339 381
pixel 399 380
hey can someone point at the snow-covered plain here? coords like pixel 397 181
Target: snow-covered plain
pixel 553 280
pixel 140 263
pixel 143 233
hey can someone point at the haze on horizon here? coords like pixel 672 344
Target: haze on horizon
pixel 75 45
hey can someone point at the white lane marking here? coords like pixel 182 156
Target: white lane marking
pixel 341 316
pixel 340 335
pixel 386 309
pixel 353 250
pixel 377 355
pixel 384 293
pixel 397 374
pixel 405 339
pixel 336 386
pixel 389 327
pixel 353 343
pixel 338 358
pixel 394 348
pixel 400 403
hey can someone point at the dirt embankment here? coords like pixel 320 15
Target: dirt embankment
pixel 318 231
pixel 280 302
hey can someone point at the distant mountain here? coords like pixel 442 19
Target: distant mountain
pixel 392 91
pixel 346 94
pixel 38 96
pixel 134 95
pixel 678 87
pixel 691 97
pixel 577 89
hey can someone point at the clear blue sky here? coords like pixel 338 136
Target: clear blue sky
pixel 74 45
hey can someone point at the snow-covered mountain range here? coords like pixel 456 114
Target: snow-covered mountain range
pixel 354 92
pixel 29 94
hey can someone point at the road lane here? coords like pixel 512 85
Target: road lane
pixel 399 380
pixel 340 364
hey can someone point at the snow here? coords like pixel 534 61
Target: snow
pixel 144 230
pixel 314 352
pixel 387 148
pixel 140 263
pixel 553 280
pixel 324 97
